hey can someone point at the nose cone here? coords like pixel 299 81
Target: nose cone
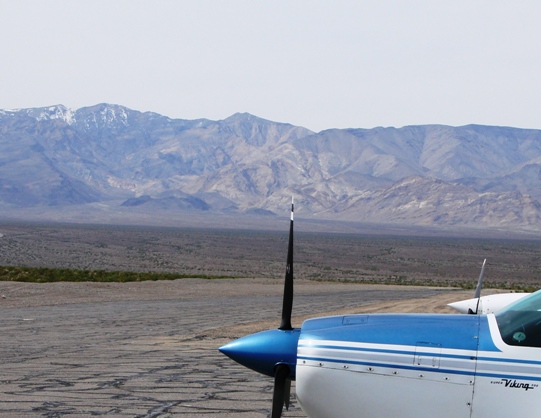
pixel 263 351
pixel 464 306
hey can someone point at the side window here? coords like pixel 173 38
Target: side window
pixel 522 328
pixel 520 322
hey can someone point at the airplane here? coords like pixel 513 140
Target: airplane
pixel 401 365
pixel 485 304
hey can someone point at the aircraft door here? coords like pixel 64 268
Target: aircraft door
pixel 508 381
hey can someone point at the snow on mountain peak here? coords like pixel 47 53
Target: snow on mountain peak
pixel 111 113
pixel 60 112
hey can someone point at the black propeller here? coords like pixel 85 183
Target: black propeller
pixel 287 306
pixel 282 383
pixel 282 388
pixel 273 352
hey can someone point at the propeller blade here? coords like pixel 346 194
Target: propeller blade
pixel 480 281
pixel 280 387
pixel 477 294
pixel 287 306
pixel 273 352
pixel 287 393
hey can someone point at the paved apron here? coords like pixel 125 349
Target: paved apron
pixel 145 359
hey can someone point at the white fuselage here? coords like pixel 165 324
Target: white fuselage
pixel 487 304
pixel 357 373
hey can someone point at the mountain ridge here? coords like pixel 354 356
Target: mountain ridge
pixel 473 176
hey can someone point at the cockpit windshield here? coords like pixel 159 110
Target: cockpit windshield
pixel 520 322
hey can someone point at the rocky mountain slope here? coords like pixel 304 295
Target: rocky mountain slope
pixel 116 159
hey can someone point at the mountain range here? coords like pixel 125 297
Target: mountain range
pixel 112 159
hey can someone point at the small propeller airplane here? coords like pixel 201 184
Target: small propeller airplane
pixel 401 365
pixel 480 305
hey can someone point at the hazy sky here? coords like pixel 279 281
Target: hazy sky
pixel 318 64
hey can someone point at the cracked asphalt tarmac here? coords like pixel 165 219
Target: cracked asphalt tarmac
pixel 150 349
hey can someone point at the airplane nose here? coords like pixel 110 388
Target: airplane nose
pixel 464 306
pixel 264 350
